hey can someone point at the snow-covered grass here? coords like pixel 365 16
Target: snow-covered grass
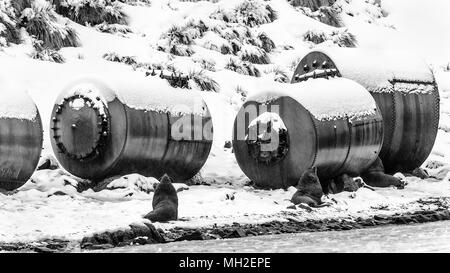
pixel 91 12
pixel 210 36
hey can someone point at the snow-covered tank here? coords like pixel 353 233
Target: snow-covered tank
pixel 21 136
pixel 127 126
pixel 403 87
pixel 285 129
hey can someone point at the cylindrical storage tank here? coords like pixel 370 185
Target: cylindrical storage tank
pixel 21 136
pixel 285 129
pixel 130 126
pixel 403 87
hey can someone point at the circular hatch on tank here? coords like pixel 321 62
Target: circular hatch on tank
pixel 267 138
pixel 80 127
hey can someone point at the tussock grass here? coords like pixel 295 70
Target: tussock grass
pixel 40 21
pixel 203 82
pixel 20 5
pixel 118 29
pixel 266 43
pixel 9 30
pixel 329 16
pixel 206 64
pixel 45 54
pixel 279 75
pixel 243 68
pixel 177 39
pixel 48 55
pixel 249 12
pixel 312 4
pixel 241 91
pixel 316 37
pixel 343 38
pixel 254 54
pixel 114 57
pixel 340 37
pixel 253 13
pixel 92 12
pixel 141 3
pixel 181 50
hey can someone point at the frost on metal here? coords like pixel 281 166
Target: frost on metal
pixel 16 103
pixel 325 99
pixel 377 69
pixel 149 94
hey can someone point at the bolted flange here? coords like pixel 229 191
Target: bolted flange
pixel 80 127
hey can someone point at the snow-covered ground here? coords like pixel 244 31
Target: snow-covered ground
pixel 41 210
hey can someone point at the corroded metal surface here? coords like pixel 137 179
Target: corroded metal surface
pixel 20 150
pixel 101 136
pixel 335 146
pixel 411 118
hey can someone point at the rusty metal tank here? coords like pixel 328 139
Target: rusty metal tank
pixel 333 124
pixel 403 87
pixel 143 126
pixel 21 136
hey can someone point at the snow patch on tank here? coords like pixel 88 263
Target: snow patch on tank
pixel 376 69
pixel 154 94
pixel 274 119
pixel 149 94
pixel 406 88
pixel 15 102
pixel 325 99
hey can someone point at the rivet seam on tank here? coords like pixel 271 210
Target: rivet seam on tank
pixel 325 72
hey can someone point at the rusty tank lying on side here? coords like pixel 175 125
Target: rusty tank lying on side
pixel 103 128
pixel 403 87
pixel 21 136
pixel 285 129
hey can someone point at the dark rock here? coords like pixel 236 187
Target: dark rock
pixel 43 249
pixel 104 238
pixel 101 246
pixel 48 163
pixel 194 236
pixel 141 241
pixel 399 221
pixel 154 234
pixel 117 237
pixel 420 173
pixel 380 217
pixel 140 230
pixel 87 242
pixel 422 218
pixel 57 193
pixel 228 144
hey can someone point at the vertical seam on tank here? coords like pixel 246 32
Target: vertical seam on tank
pixel 349 147
pixel 316 150
pixel 437 106
pixel 114 164
pixel 394 115
pixel 169 134
pixel 41 129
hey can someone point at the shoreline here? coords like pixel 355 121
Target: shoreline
pixel 147 233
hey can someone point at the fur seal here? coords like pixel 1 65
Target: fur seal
pixel 309 190
pixel 165 202
pixel 376 177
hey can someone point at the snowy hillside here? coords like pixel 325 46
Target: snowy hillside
pixel 230 49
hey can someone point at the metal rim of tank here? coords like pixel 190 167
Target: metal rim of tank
pixel 284 171
pixel 97 145
pixel 315 65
